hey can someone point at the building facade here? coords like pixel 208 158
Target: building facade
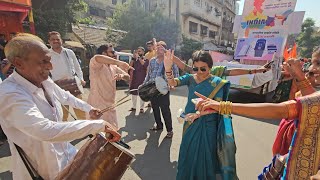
pixel 206 21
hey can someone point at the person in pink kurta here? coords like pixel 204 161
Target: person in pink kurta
pixel 104 72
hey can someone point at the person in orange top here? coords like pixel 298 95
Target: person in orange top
pixel 151 50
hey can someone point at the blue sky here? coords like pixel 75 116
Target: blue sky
pixel 312 8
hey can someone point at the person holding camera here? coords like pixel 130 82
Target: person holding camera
pixel 137 76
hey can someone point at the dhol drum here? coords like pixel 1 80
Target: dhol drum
pixel 73 85
pixel 98 159
pixel 153 89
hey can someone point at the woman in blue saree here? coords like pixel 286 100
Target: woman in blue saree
pixel 207 150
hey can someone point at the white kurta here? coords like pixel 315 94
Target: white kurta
pixel 32 123
pixel 65 65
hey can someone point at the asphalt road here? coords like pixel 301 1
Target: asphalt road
pixel 156 156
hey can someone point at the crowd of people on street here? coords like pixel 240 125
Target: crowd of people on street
pixel 41 83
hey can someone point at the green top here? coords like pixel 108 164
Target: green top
pixel 219 71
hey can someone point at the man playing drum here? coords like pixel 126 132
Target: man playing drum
pixel 31 112
pixel 156 69
pixel 65 66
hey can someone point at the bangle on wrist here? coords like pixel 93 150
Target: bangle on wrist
pixel 225 108
pixel 303 84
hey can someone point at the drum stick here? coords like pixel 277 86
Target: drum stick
pixel 123 98
pixel 133 90
pixel 120 142
pixel 113 106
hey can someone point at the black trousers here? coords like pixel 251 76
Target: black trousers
pixel 163 103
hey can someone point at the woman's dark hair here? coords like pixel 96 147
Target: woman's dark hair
pixel 203 56
pixel 103 48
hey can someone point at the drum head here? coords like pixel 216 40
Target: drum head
pixel 78 81
pixel 162 85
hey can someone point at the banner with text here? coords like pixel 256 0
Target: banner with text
pixel 261 48
pixel 271 15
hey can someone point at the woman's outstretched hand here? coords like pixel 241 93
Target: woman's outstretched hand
pixel 205 105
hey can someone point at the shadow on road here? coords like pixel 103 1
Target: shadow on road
pixel 154 163
pixel 6 175
pixel 5 150
pixel 137 126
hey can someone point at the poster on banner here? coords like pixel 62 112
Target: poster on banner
pixel 259 48
pixel 271 15
pixel 294 25
pixel 266 33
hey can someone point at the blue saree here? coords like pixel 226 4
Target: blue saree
pixel 207 150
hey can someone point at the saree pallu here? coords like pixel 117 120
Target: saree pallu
pixel 219 71
pixel 304 154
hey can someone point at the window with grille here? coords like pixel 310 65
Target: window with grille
pixel 204 30
pixel 212 34
pixel 193 27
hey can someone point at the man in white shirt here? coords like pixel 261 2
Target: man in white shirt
pixel 31 112
pixel 65 65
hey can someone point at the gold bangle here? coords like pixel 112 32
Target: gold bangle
pixel 225 108
pixel 221 107
pixel 292 110
pixel 303 84
pixel 228 108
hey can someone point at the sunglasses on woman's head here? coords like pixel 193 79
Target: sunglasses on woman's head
pixel 196 69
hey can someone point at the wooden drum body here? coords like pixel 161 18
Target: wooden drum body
pixel 98 159
pixel 73 85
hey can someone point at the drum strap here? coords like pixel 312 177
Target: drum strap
pixel 69 63
pixel 33 173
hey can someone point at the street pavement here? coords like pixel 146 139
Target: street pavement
pixel 157 157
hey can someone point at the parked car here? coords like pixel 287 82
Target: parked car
pixel 126 57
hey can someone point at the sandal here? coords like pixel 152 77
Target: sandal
pixel 132 109
pixel 155 128
pixel 141 111
pixel 169 134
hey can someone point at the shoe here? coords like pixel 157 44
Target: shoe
pixel 132 109
pixel 155 128
pixel 141 111
pixel 169 134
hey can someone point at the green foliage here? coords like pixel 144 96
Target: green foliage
pixel 87 20
pixel 142 26
pixel 308 38
pixel 188 47
pixel 44 22
pixel 57 15
pixel 114 37
pixel 165 29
